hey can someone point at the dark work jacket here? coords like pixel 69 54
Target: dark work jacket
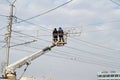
pixel 60 32
pixel 55 33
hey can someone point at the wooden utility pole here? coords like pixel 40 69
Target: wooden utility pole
pixel 9 34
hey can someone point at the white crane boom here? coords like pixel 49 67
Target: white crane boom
pixel 27 60
pixel 10 70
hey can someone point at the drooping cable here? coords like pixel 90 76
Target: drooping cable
pixel 47 11
pixel 4 16
pixel 115 2
pixel 31 36
pixel 101 46
pixel 92 53
pixel 83 61
pixel 74 56
pixel 43 28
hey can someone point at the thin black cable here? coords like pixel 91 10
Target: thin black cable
pixel 15 13
pixel 45 29
pixel 68 55
pixel 22 50
pixel 83 61
pixel 75 59
pixel 89 52
pixel 2 41
pixel 99 30
pixel 87 59
pixel 92 53
pixel 4 16
pixel 26 35
pixel 80 50
pixel 24 71
pixel 3 34
pixel 81 56
pixel 101 46
pixel 2 28
pixel 74 33
pixel 72 54
pixel 3 46
pixel 18 39
pixel 9 2
pixel 13 1
pixel 33 47
pixel 48 29
pixel 32 36
pixel 115 2
pixel 88 25
pixel 27 45
pixel 47 11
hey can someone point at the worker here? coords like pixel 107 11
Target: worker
pixel 61 33
pixel 55 35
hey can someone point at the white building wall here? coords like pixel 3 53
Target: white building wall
pixel 108 75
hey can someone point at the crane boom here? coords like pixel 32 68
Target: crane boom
pixel 27 60
pixel 10 70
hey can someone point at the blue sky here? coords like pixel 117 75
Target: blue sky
pixel 95 49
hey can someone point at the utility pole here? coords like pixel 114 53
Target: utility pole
pixel 9 34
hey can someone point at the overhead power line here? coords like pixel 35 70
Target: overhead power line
pixel 2 28
pixel 93 53
pixel 23 43
pixel 11 3
pixel 46 11
pixel 8 1
pixel 34 24
pixel 31 36
pixel 106 22
pixel 94 44
pixel 3 15
pixel 23 50
pixel 85 61
pixel 76 58
pixel 115 2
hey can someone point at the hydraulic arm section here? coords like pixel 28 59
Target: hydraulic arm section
pixel 10 72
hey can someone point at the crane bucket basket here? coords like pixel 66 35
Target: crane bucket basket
pixel 62 43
